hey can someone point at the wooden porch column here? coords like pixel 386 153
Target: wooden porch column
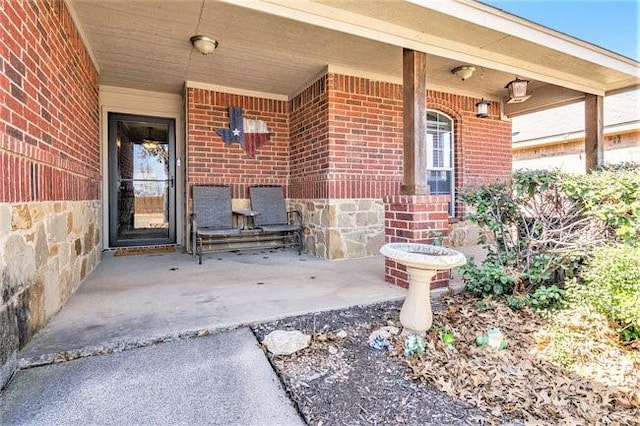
pixel 414 80
pixel 593 134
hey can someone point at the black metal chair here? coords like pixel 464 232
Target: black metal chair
pixel 274 217
pixel 212 216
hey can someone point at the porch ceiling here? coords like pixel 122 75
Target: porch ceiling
pixel 279 46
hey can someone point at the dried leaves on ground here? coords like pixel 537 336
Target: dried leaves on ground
pixel 524 381
pixel 339 381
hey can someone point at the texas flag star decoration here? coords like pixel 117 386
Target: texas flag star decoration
pixel 250 134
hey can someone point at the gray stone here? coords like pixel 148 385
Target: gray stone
pixel 30 312
pixel 374 243
pixel 8 342
pixel 5 217
pixel 367 219
pixel 365 205
pixel 346 221
pixel 347 206
pixel 20 269
pixel 58 227
pixel 282 342
pixel 341 334
pixel 42 248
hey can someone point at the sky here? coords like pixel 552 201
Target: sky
pixel 610 24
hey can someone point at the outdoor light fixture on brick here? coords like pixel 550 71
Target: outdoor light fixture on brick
pixel 482 109
pixel 204 44
pixel 517 91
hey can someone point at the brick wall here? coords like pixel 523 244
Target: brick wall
pixel 365 137
pixel 210 161
pixel 309 147
pixel 50 167
pixel 415 219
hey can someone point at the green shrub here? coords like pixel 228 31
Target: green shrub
pixel 486 279
pixel 610 194
pixel 547 298
pixel 517 302
pixel 611 286
pixel 538 235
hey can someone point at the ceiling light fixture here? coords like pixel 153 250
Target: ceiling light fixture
pixel 463 72
pixel 517 91
pixel 482 109
pixel 204 44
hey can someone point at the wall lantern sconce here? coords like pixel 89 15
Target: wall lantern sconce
pixel 517 91
pixel 482 109
pixel 204 44
pixel 463 72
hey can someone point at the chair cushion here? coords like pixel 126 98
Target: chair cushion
pixel 269 201
pixel 279 228
pixel 212 206
pixel 211 232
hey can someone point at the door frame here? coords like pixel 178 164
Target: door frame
pixel 112 119
pixel 150 104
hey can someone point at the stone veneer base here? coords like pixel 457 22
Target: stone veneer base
pixel 342 228
pixel 46 250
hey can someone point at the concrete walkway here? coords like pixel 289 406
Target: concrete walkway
pixel 134 298
pixel 223 379
pixel 128 304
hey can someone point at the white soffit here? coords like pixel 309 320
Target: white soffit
pixel 485 40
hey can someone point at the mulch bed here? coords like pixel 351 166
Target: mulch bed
pixel 340 381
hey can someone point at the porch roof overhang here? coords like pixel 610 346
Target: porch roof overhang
pixel 276 47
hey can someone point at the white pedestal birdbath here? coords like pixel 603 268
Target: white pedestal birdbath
pixel 422 261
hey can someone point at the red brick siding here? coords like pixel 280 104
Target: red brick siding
pixel 365 137
pixel 339 138
pixel 210 161
pixel 49 135
pixel 309 149
pixel 482 146
pixel 414 219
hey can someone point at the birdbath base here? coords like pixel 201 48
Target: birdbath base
pixel 416 316
pixel 422 261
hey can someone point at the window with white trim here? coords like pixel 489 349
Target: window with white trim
pixel 440 170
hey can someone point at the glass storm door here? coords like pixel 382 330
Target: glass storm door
pixel 141 180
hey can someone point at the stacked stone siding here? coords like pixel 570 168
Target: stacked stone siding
pixel 342 228
pixel 49 160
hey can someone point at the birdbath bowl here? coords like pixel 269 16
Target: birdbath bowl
pixel 422 261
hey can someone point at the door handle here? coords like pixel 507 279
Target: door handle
pixel 171 181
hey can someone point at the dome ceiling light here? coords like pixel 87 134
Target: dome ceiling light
pixel 204 44
pixel 463 72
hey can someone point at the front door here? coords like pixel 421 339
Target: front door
pixel 141 180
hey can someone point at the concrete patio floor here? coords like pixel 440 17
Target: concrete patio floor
pixel 133 298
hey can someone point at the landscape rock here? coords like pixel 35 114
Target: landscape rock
pixel 341 334
pixel 282 342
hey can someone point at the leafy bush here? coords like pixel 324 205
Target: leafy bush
pixel 539 235
pixel 517 302
pixel 547 298
pixel 486 279
pixel 611 286
pixel 610 194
